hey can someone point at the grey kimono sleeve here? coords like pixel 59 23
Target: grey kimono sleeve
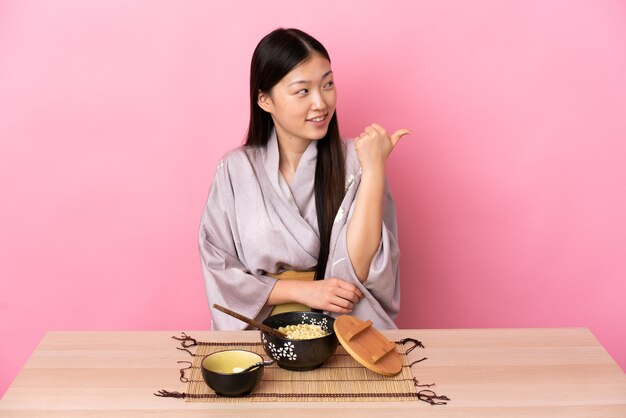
pixel 381 303
pixel 227 280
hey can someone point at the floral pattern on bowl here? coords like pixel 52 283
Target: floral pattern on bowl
pixel 300 354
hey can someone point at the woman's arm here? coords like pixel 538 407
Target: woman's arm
pixel 330 294
pixel 365 225
pixel 373 147
pixel 227 281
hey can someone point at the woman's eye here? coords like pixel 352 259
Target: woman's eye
pixel 302 92
pixel 330 84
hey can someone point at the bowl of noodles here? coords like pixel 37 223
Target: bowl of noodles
pixel 310 341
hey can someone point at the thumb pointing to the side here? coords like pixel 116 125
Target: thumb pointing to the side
pixel 395 137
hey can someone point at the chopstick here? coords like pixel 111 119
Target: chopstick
pixel 249 321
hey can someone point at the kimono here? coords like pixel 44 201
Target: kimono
pixel 255 223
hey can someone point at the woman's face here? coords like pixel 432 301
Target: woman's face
pixel 303 102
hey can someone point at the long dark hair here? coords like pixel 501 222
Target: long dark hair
pixel 276 55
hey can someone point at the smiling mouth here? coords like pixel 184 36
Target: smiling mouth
pixel 317 119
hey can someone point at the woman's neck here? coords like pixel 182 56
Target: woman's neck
pixel 290 152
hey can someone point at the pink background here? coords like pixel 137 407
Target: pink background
pixel 511 191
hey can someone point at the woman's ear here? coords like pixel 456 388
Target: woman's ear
pixel 264 101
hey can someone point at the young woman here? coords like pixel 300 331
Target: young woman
pixel 297 218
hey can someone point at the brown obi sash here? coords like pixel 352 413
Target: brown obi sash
pixel 292 275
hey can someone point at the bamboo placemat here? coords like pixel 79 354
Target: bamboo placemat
pixel 340 378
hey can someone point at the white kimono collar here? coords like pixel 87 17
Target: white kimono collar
pixel 299 194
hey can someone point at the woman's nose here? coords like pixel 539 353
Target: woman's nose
pixel 318 101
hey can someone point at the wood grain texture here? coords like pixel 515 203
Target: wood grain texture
pixel 486 373
pixel 367 345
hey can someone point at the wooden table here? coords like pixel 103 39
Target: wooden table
pixel 486 373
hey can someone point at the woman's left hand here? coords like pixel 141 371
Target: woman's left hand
pixel 373 146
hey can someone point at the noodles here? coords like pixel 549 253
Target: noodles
pixel 303 331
